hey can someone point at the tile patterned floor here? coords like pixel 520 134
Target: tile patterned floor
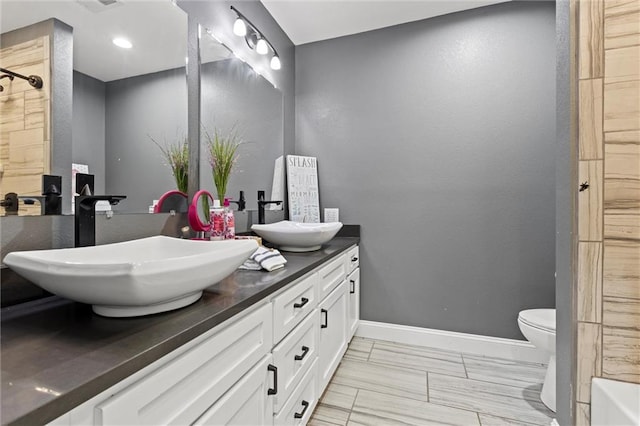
pixel 383 383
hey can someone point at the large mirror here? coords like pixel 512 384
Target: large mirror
pixel 234 98
pixel 123 99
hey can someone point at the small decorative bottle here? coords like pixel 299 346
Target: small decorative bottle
pixel 217 217
pixel 229 221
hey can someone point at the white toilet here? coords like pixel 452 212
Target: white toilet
pixel 539 327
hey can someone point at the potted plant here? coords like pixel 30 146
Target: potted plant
pixel 223 153
pixel 177 156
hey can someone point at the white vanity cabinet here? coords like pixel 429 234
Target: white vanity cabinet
pixel 267 366
pixel 353 269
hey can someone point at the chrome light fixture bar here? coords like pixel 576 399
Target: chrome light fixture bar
pixel 242 27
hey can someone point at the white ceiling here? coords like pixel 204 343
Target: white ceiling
pixel 157 29
pixel 306 21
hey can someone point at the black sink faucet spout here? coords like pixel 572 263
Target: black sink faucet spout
pixel 261 204
pixel 85 217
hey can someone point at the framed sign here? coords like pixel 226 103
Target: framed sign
pixel 302 189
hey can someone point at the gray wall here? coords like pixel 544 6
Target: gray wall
pixel 89 126
pixel 438 137
pixel 151 105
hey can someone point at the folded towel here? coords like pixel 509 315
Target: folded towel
pixel 264 258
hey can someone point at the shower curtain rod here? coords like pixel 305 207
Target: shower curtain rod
pixel 33 80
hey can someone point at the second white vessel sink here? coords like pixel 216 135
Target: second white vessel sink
pixel 297 237
pixel 133 278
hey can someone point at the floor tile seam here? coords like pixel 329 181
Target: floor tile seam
pixel 332 407
pixel 503 417
pixel 510 419
pixel 419 347
pixel 466 372
pixel 352 405
pixel 499 395
pixel 450 361
pixel 509 360
pixel 386 394
pixel 478 416
pixel 413 368
pixel 432 403
pixel 379 364
pixel 421 353
pixel 493 383
pixel 427 376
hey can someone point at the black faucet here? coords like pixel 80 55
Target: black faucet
pixel 51 190
pixel 241 202
pixel 261 204
pixel 85 217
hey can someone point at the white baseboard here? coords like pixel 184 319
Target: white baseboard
pixel 516 350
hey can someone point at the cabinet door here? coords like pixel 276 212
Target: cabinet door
pixel 246 403
pixel 354 302
pixel 333 333
pixel 182 389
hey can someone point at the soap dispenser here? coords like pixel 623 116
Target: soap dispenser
pixel 229 222
pixel 217 221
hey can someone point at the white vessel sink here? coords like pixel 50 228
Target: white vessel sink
pixel 294 236
pixel 133 278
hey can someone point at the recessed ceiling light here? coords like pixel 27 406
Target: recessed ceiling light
pixel 122 42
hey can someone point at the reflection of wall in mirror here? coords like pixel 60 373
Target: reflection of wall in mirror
pixel 232 94
pixel 25 153
pixel 113 123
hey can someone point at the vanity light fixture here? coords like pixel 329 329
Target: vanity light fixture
pixel 242 27
pixel 122 42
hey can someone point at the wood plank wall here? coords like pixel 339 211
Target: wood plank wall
pixel 608 293
pixel 25 142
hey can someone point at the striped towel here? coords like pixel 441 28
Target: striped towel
pixel 264 258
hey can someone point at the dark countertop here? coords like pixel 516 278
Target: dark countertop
pixel 57 354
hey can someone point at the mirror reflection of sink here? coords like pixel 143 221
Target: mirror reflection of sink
pixel 133 278
pixel 297 237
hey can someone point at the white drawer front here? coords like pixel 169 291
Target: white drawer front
pixel 291 306
pixel 299 407
pixel 294 355
pixel 181 390
pixel 246 403
pixel 331 275
pixel 353 259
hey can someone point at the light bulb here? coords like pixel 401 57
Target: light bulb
pixel 240 28
pixel 122 42
pixel 275 63
pixel 262 47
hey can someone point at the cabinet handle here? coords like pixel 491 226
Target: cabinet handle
pixel 303 302
pixel 354 259
pixel 352 290
pixel 305 351
pixel 300 415
pixel 274 369
pixel 326 318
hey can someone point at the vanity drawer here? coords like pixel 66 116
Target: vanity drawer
pixel 353 259
pixel 181 390
pixel 331 275
pixel 291 306
pixel 297 410
pixel 294 355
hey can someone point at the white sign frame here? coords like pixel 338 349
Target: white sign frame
pixel 302 189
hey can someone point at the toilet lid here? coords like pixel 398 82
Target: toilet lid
pixel 544 319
